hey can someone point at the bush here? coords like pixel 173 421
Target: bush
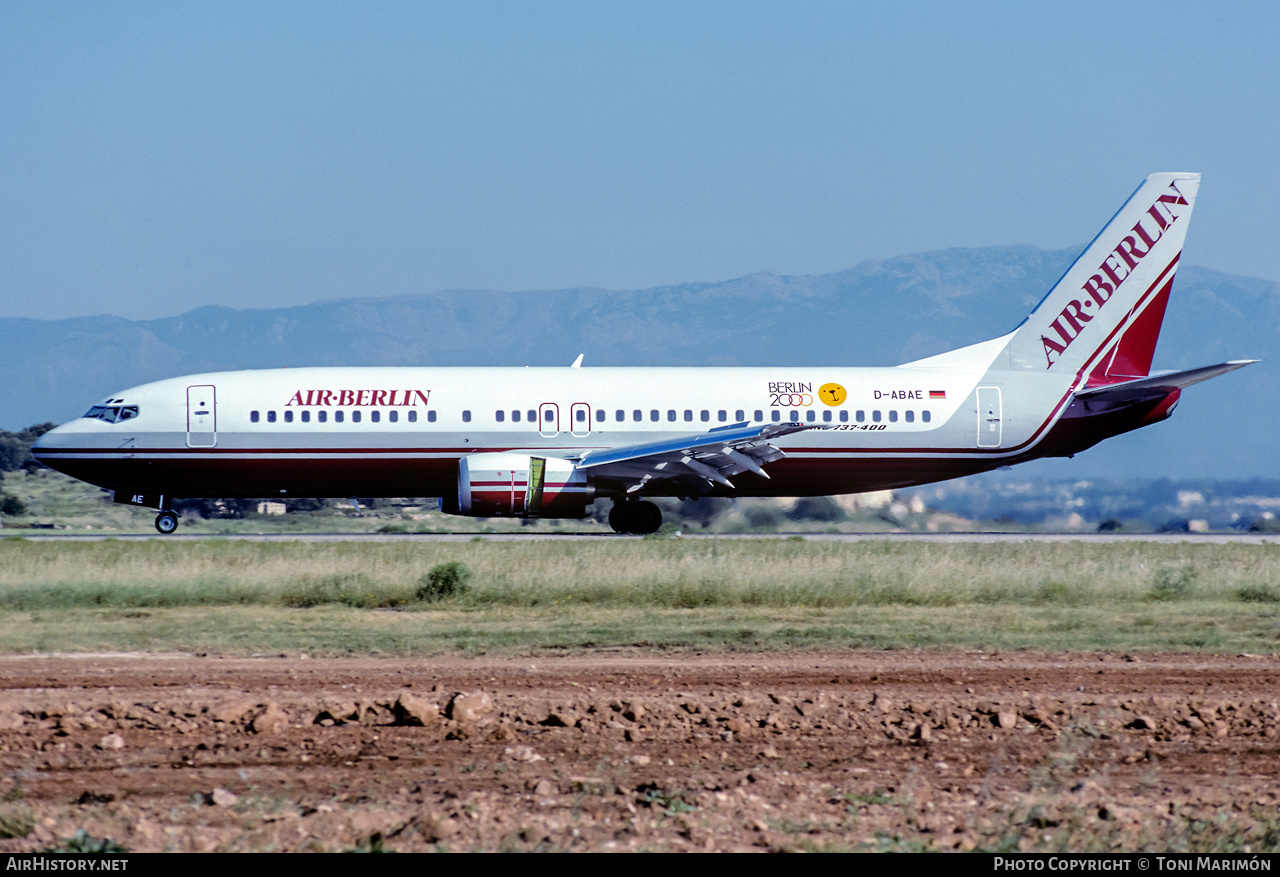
pixel 1173 584
pixel 11 505
pixel 763 517
pixel 1258 594
pixel 817 508
pixel 16 820
pixel 445 580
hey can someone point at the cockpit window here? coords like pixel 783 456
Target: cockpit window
pixel 112 413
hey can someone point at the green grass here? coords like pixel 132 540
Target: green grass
pixel 237 597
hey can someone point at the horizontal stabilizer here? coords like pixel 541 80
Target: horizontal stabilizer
pixel 1145 387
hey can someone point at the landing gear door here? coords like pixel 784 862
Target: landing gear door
pixel 989 419
pixel 202 416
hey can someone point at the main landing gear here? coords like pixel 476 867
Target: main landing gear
pixel 635 518
pixel 166 522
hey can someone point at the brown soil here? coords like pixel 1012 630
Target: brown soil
pixel 624 751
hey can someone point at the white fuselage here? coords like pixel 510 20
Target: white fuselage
pixel 401 431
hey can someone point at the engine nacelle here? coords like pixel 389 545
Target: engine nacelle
pixel 521 486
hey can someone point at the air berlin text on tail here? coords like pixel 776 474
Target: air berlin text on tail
pixel 1099 288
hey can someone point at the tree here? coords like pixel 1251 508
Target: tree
pixel 817 508
pixel 15 447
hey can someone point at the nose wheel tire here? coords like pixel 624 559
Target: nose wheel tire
pixel 166 522
pixel 635 518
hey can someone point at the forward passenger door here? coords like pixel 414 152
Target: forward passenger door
pixel 202 416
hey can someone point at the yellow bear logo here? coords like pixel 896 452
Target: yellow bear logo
pixel 832 394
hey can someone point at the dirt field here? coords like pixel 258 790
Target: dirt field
pixel 634 751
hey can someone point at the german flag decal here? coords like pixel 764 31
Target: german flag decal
pixel 937 394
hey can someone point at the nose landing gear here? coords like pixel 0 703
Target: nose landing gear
pixel 166 522
pixel 635 518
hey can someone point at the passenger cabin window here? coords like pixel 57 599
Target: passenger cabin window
pixel 777 415
pixel 910 416
pixel 671 415
pixel 621 415
pixel 826 416
pixel 706 415
pixel 288 417
pixel 500 416
pixel 924 415
pixel 795 416
pixel 722 415
pixel 599 415
pixel 431 416
pixel 253 417
pixel 322 416
pixel 306 417
pixel 688 416
pixel 875 416
pixel 271 417
pixel 533 416
pixel 580 415
pixel 413 417
pixel 844 416
pixel 375 416
pixel 738 416
pixel 653 415
pixel 338 416
pixel 515 415
pixel 862 416
pixel 893 416
pixel 759 416
pixel 811 415
pixel 393 416
pixel 355 416
pixel 466 416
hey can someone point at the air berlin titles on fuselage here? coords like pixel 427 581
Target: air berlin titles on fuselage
pixel 359 398
pixel 1118 265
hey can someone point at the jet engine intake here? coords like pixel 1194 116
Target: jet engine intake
pixel 521 486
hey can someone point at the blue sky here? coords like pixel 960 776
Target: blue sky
pixel 156 157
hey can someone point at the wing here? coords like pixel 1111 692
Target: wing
pixel 1141 388
pixel 705 458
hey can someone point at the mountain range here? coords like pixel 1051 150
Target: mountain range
pixel 881 312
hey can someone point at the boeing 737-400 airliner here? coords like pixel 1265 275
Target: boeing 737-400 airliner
pixel 546 442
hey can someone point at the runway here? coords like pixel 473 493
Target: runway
pixel 939 538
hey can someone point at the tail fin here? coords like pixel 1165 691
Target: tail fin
pixel 1103 316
